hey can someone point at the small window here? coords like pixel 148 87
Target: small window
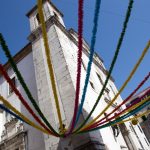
pixel 56 16
pixel 146 142
pixel 13 80
pixel 38 19
pixel 100 79
pixel 83 65
pixel 140 128
pixel 92 85
pixel 112 90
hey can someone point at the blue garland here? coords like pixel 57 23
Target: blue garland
pixel 93 41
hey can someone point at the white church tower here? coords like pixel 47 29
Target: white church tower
pixel 31 62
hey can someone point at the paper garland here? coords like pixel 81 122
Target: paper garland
pixel 124 101
pixel 112 64
pixel 125 83
pixel 92 47
pixel 49 63
pixel 4 73
pixel 79 60
pixel 20 116
pixel 22 82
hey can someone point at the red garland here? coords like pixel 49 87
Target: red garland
pixel 80 32
pixel 99 122
pixel 4 73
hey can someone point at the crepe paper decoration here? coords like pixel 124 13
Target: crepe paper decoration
pixel 120 120
pixel 92 47
pixel 22 82
pixel 4 73
pixel 10 112
pixel 124 101
pixel 49 62
pixel 128 14
pixel 128 109
pixel 20 116
pixel 79 60
pixel 125 83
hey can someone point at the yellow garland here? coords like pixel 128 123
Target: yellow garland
pixel 132 108
pixel 48 57
pixel 8 105
pixel 123 86
pixel 133 118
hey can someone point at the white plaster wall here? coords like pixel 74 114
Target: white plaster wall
pixel 70 53
pixel 35 138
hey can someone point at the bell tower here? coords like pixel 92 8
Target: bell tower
pixel 63 46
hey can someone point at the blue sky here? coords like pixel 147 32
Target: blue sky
pixel 15 27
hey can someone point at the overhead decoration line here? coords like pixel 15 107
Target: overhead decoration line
pixel 127 109
pixel 22 82
pixel 128 14
pixel 20 116
pixel 4 73
pixel 79 60
pixel 124 101
pixel 124 85
pixel 120 119
pixel 10 112
pixel 92 47
pixel 49 63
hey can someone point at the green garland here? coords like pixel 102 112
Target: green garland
pixel 22 82
pixel 128 14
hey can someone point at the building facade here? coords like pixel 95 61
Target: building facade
pixel 31 61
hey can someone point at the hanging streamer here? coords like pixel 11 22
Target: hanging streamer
pixel 49 63
pixel 93 41
pixel 19 115
pixel 4 73
pixel 128 109
pixel 128 98
pixel 125 83
pixel 22 82
pixel 79 60
pixel 10 112
pixel 119 119
pixel 113 62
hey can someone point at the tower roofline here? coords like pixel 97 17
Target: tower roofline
pixel 35 7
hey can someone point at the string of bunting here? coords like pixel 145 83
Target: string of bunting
pixel 123 102
pixel 10 112
pixel 22 82
pixel 49 63
pixel 94 124
pixel 79 60
pixel 92 47
pixel 128 13
pixel 128 109
pixel 20 116
pixel 121 118
pixel 7 78
pixel 124 85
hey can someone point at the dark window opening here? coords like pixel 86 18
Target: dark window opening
pixel 100 79
pixel 38 19
pixel 92 85
pixel 146 142
pixel 140 128
pixel 13 80
pixel 83 65
pixel 56 16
